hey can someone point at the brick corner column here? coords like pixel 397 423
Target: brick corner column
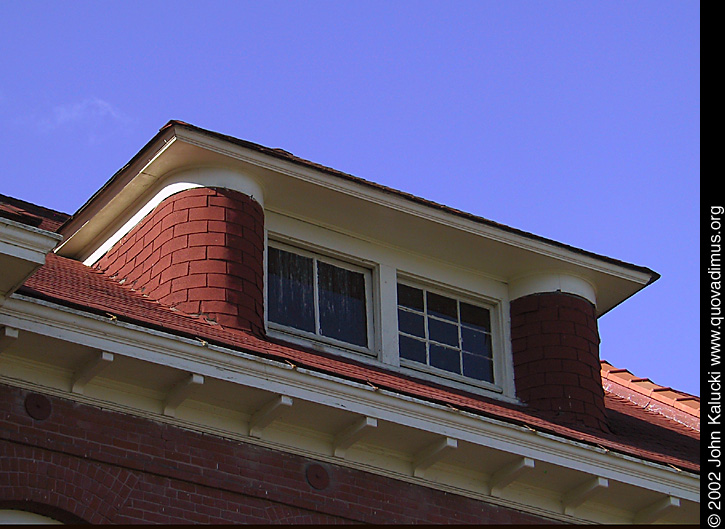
pixel 200 251
pixel 555 347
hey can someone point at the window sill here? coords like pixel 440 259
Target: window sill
pixel 318 343
pixel 423 373
pixel 445 377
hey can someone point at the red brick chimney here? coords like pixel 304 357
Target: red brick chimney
pixel 199 251
pixel 555 347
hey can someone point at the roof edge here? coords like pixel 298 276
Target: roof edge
pixel 286 156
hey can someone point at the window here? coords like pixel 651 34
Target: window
pixel 444 333
pixel 318 297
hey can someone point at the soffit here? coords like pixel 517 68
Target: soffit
pixel 139 382
pixel 96 293
pixel 22 251
pixel 353 206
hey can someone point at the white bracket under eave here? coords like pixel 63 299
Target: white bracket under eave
pixel 430 455
pixel 180 392
pixel 507 474
pixel 657 510
pixel 573 498
pixel 353 434
pixel 89 371
pixel 8 336
pixel 268 414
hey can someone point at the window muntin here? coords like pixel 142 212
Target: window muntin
pixel 319 297
pixel 445 333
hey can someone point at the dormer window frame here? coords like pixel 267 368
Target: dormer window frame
pixel 381 298
pixel 317 339
pixel 500 383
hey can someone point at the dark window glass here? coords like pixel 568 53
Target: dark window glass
pixel 477 317
pixel 443 332
pixel 442 307
pixel 342 304
pixel 477 367
pixel 290 294
pixel 458 338
pixel 445 358
pixel 476 342
pixel 411 323
pixel 412 349
pixel 410 297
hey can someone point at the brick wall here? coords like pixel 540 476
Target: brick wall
pixel 100 466
pixel 201 252
pixel 555 347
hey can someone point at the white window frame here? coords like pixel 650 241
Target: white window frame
pixel 497 353
pixel 387 265
pixel 308 338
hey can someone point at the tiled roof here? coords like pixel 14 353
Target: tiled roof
pixel 30 214
pixel 636 431
pixel 677 405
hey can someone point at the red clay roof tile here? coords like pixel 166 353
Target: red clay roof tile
pixel 30 214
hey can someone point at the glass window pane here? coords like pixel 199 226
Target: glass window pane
pixel 411 323
pixel 443 332
pixel 477 367
pixel 442 307
pixel 412 349
pixel 410 297
pixel 342 304
pixel 477 317
pixel 445 358
pixel 290 291
pixel 476 342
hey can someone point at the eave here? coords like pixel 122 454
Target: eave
pixel 362 209
pixel 228 392
pixel 22 251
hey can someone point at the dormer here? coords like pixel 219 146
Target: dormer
pixel 256 240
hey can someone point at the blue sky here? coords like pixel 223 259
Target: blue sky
pixel 577 121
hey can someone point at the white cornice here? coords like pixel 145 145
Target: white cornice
pixel 191 356
pixel 389 200
pixel 22 250
pixel 182 181
pixel 351 205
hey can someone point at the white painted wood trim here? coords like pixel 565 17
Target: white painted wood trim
pixel 388 200
pixel 180 392
pixel 90 370
pixel 187 355
pixel 387 295
pixel 353 434
pixel 552 282
pixel 430 455
pixel 8 336
pixel 26 242
pixel 503 477
pixel 268 414
pixel 182 181
pixel 584 492
pixel 657 510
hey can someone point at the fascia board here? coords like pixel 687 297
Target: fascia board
pixel 22 251
pixel 26 242
pixel 90 222
pixel 97 219
pixel 175 352
pixel 534 244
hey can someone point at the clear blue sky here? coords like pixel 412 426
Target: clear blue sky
pixel 577 121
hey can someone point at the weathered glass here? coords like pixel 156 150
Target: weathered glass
pixel 290 291
pixel 343 314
